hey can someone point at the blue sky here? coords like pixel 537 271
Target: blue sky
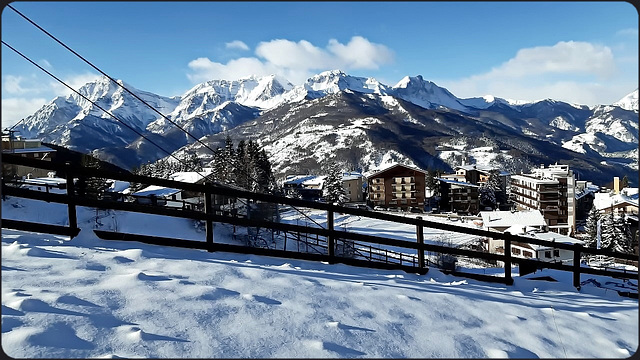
pixel 581 52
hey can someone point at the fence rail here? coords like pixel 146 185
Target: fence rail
pixel 361 242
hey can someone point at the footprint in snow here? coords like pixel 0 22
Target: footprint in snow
pixel 341 326
pixel 261 299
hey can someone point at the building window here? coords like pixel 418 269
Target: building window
pixel 35 155
pixel 377 196
pixel 556 253
pixel 547 254
pixel 377 187
pixel 527 254
pixel 515 251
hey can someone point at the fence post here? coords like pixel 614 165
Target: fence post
pixel 576 265
pixel 420 237
pixel 330 239
pixel 507 262
pixel 208 210
pixel 71 205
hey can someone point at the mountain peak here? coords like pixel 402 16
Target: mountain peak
pixel 629 102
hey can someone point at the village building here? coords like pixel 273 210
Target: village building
pixel 585 195
pixel 541 252
pixel 500 221
pixel 30 148
pixel 178 198
pixel 397 186
pixel 550 190
pixel 457 196
pixel 307 187
pixel 353 184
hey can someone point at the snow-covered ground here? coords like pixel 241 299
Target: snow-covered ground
pixel 87 297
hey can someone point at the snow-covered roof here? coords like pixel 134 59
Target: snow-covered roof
pixel 305 180
pixel 351 176
pixel 118 186
pixel 455 182
pixel 158 191
pixel 508 218
pixel 588 189
pixel 532 179
pixel 190 176
pixel 478 167
pixel 606 200
pixel 381 170
pixel 51 181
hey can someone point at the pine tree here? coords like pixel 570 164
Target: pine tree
pixel 487 195
pixel 93 187
pixel 333 190
pixel 607 232
pixel 495 183
pixel 431 181
pixel 624 183
pixel 591 227
pixel 622 238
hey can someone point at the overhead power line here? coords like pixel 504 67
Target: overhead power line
pixel 137 97
pixel 94 104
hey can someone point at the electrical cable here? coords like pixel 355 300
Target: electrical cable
pixel 136 96
pixel 96 105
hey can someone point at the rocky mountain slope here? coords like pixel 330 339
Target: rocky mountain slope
pixel 359 120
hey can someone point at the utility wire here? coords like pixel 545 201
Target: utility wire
pixel 137 97
pixel 96 105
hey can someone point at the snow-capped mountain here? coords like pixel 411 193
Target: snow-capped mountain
pixel 75 122
pixel 364 131
pixel 426 94
pixel 605 133
pixel 629 102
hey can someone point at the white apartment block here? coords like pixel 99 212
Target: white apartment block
pixel 550 190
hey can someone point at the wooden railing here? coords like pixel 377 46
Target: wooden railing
pixel 329 233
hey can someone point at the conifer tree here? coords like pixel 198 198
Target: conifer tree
pixel 333 191
pixel 591 227
pixel 607 232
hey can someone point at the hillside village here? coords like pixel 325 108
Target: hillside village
pixel 547 203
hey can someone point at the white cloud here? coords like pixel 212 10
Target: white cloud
pixel 563 57
pixel 295 61
pixel 359 53
pixel 75 81
pixel 627 32
pixel 46 64
pixel 21 85
pixel 237 44
pixel 577 72
pixel 15 109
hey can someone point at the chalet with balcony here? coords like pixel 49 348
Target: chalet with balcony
pixel 398 186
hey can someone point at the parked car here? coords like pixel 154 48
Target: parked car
pixel 379 208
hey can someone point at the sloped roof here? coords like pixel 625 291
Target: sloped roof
pixel 454 182
pixel 190 176
pixel 393 166
pixel 605 200
pixel 508 218
pixel 158 191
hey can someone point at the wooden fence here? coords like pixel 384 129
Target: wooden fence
pixel 331 235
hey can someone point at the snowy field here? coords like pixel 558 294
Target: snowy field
pixel 88 297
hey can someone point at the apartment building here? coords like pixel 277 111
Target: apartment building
pixel 398 186
pixel 550 190
pixel 353 186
